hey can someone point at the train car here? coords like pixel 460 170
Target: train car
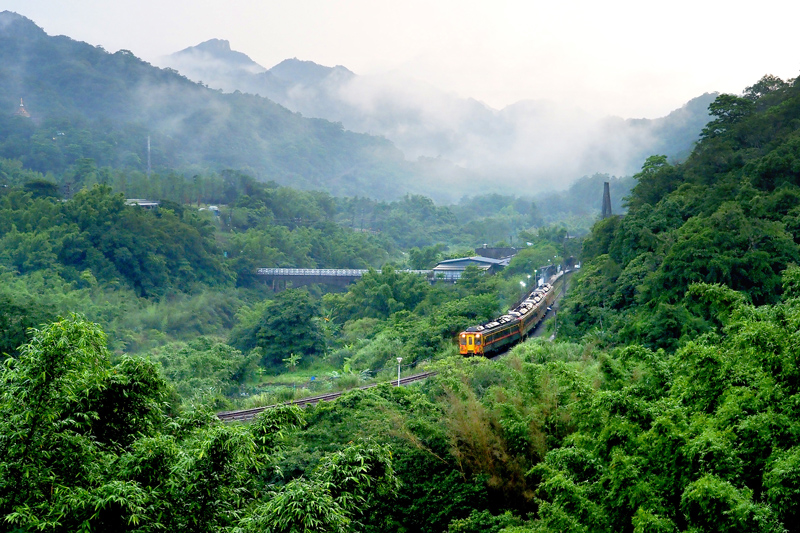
pixel 505 331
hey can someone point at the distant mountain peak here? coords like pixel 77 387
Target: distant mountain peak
pixel 306 72
pixel 16 22
pixel 7 17
pixel 215 45
pixel 220 49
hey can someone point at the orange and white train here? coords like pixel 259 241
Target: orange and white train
pixel 505 331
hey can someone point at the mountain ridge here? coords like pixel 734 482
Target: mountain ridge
pixel 427 142
pixel 88 103
pixel 424 121
pixel 221 49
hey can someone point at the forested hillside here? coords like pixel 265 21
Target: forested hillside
pixel 729 215
pixel 690 424
pixel 186 268
pixel 150 452
pixel 87 103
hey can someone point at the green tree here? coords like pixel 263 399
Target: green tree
pixel 378 295
pixel 42 188
pixel 766 85
pixel 711 504
pixel 425 258
pixel 87 445
pixel 62 402
pixel 732 249
pixel 19 313
pixel 655 181
pixel 288 325
pixel 729 110
pixel 204 367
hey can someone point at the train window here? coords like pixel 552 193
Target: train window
pixel 469 341
pixel 463 340
pixel 478 341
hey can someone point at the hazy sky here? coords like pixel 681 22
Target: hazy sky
pixel 628 58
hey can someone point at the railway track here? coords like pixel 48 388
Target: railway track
pixel 245 415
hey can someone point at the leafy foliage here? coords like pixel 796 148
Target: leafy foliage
pixel 203 367
pixel 725 216
pixel 288 324
pixel 686 442
pixel 87 445
pixel 380 294
pixel 96 237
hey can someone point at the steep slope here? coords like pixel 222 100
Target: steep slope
pixel 86 102
pixel 729 215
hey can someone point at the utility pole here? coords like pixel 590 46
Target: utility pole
pixel 555 313
pixel 148 157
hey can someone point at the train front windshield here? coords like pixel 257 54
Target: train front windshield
pixel 470 343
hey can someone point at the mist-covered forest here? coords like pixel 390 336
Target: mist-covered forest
pixel 664 397
pixel 524 145
pixel 85 102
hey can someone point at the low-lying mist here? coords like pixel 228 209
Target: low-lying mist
pixel 381 136
pixel 523 148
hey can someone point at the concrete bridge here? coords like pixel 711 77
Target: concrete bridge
pixel 306 276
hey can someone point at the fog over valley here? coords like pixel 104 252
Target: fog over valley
pixel 384 133
pixel 530 145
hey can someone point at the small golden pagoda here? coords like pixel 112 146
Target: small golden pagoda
pixel 22 112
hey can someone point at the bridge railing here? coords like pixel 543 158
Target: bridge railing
pixel 335 272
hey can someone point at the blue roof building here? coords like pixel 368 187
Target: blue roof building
pixel 452 269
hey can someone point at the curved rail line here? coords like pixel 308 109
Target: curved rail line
pixel 246 415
